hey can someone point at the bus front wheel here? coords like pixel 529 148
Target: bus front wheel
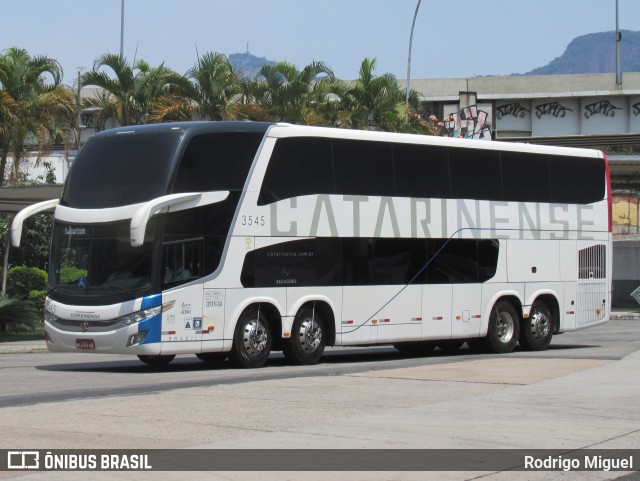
pixel 537 330
pixel 504 328
pixel 251 341
pixel 308 338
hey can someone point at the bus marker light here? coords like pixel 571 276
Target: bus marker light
pixel 598 311
pixel 167 305
pixel 211 328
pixel 439 318
pixel 417 319
pixel 458 317
pixel 286 334
pixel 374 321
pixel 172 333
pixel 525 315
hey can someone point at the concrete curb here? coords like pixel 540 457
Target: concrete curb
pixel 22 347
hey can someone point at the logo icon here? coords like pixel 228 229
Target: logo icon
pixel 23 460
pixel 84 326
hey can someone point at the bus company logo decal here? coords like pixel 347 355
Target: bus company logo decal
pixel 84 326
pixel 84 315
pixel 383 217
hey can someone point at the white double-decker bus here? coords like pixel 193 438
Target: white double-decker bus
pixel 237 239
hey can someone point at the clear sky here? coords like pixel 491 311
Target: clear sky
pixel 453 38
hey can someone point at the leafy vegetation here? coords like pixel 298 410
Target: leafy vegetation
pixel 18 315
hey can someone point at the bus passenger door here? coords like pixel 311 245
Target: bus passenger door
pixel 466 311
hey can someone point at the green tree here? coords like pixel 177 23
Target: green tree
pixel 209 91
pixel 34 107
pixel 286 94
pixel 373 102
pixel 130 93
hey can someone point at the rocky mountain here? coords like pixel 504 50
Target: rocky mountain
pixel 595 53
pixel 248 64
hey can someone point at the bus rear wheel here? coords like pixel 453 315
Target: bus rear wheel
pixel 308 338
pixel 537 330
pixel 504 328
pixel 156 360
pixel 252 340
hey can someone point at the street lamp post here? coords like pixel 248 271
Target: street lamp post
pixel 618 39
pixel 122 29
pixel 413 24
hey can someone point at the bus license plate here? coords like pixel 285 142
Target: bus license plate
pixel 85 344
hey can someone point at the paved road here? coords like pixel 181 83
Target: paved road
pixel 582 392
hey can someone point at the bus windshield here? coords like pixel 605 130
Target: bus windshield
pixel 98 260
pixel 123 169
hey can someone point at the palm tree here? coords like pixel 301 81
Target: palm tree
pixel 373 102
pixel 287 94
pixel 209 91
pixel 34 105
pixel 130 97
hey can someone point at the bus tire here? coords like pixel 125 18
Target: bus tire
pixel 536 331
pixel 416 348
pixel 252 340
pixel 156 361
pixel 308 338
pixel 212 357
pixel 504 328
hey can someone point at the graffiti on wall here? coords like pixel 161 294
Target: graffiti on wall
pixel 514 109
pixel 625 209
pixel 552 108
pixel 636 109
pixel 603 107
pixel 469 123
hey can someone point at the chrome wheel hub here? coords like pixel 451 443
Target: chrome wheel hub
pixel 505 327
pixel 255 337
pixel 310 335
pixel 540 325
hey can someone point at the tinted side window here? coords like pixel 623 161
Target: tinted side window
pixel 298 166
pixel 363 168
pixel 577 180
pixel 421 171
pixel 475 174
pixel 217 162
pixel 525 177
pixel 362 261
pixel 306 262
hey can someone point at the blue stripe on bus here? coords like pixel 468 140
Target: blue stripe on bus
pixel 151 301
pixel 154 324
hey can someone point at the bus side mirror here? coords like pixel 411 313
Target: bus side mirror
pixel 24 214
pixel 174 202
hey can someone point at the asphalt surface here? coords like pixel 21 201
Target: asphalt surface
pixel 582 393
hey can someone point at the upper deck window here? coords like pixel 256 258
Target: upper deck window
pixel 123 169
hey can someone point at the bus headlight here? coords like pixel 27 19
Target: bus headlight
pixel 136 317
pixel 50 316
